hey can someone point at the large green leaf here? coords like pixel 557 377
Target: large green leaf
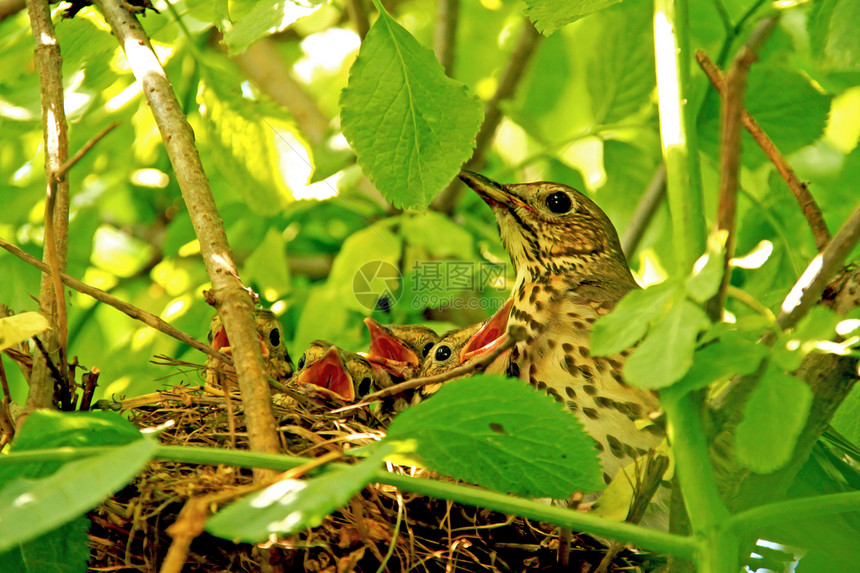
pixel 29 507
pixel 267 265
pixel 291 505
pixel 62 550
pixel 621 75
pixel 775 414
pixel 550 15
pixel 667 353
pixel 411 126
pixel 847 417
pixel 720 360
pixel 833 33
pixel 627 324
pixel 501 434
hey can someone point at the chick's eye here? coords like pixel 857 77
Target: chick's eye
pixel 443 353
pixel 364 386
pixel 426 350
pixel 275 337
pixel 302 362
pixel 559 202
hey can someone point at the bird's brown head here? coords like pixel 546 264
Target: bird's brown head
pixel 550 228
pixel 399 349
pixel 334 372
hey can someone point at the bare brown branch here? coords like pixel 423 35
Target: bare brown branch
pixel 514 73
pixel 235 302
pixel 122 306
pixel 804 198
pixel 64 168
pixel 645 210
pixel 358 14
pixel 51 297
pixel 445 36
pixel 730 150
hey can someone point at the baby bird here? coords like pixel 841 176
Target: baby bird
pixel 279 365
pixel 399 349
pixel 334 372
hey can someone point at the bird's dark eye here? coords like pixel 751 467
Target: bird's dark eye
pixel 364 386
pixel 275 337
pixel 559 202
pixel 443 353
pixel 426 350
pixel 302 362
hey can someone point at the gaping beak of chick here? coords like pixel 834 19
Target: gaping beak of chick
pixel 222 343
pixel 493 193
pixel 488 336
pixel 330 377
pixel 389 351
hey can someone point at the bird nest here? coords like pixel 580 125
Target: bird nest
pixel 381 525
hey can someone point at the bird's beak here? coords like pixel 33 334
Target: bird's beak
pixel 329 377
pixel 389 351
pixel 493 193
pixel 488 336
pixel 222 343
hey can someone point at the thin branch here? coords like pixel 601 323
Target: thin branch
pixel 475 365
pixel 9 8
pixel 807 291
pixel 730 151
pixel 122 306
pixel 235 302
pixel 263 65
pixel 645 209
pixel 513 75
pixel 805 200
pixel 358 14
pixel 51 297
pixel 445 37
pixel 64 168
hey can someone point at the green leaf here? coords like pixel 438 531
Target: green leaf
pixel 20 327
pixel 550 15
pixel 266 18
pixel 248 145
pixel 667 353
pixel 628 322
pixel 291 505
pixel 50 429
pixel 785 104
pixel 441 236
pixel 621 75
pixel 29 508
pixel 814 332
pixel 503 435
pixel 833 33
pixel 847 417
pixel 730 355
pixel 62 550
pixel 774 417
pixel 267 265
pixel 411 126
pixel 706 278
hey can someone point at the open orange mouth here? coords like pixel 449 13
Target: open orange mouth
pixel 389 351
pixel 222 343
pixel 329 377
pixel 488 336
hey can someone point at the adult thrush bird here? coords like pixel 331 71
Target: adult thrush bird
pixel 570 271
pixel 277 359
pixel 334 372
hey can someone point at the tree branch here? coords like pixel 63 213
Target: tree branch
pixel 730 151
pixel 804 198
pixel 64 168
pixel 445 37
pixel 645 209
pixel 514 73
pixel 51 297
pixel 129 309
pixel 234 301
